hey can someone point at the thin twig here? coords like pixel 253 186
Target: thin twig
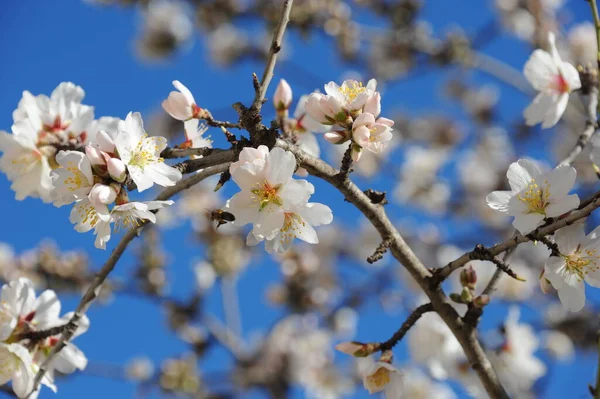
pixel 491 286
pixel 185 152
pixel 273 54
pixel 96 284
pixel 584 210
pixel 407 325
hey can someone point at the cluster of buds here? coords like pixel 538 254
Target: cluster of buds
pixel 352 113
pixel 96 178
pixel 468 281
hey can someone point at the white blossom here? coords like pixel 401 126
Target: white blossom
pixel 534 195
pixel 515 362
pixel 577 263
pixel 181 104
pixel 382 377
pixel 141 154
pixel 299 220
pixel 554 79
pixel 24 163
pixel 268 193
pixel 432 344
pixel 16 366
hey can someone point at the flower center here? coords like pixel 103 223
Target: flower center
pixel 536 198
pixel 561 85
pixel 380 378
pixel 266 194
pixel 143 154
pixel 581 263
pixel 352 90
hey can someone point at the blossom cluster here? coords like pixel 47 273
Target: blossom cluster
pixel 272 201
pixel 349 112
pixel 27 325
pixel 58 152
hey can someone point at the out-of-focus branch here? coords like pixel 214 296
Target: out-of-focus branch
pixel 96 284
pixel 591 124
pixel 596 18
pixel 502 71
pixel 261 91
pixel 466 336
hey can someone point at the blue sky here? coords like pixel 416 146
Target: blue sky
pixel 46 42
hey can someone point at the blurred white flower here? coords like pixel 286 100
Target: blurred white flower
pixel 578 262
pixel 555 80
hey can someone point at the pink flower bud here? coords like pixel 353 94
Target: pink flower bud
pixel 373 104
pixel 102 194
pixel 361 136
pixel 335 137
pixel 95 156
pixel 385 121
pixel 283 96
pixel 117 169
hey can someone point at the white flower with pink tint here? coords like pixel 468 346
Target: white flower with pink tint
pixel 554 79
pixel 181 104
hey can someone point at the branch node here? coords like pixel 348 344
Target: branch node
pixel 376 197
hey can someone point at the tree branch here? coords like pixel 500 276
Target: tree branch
pixel 407 325
pixel 261 91
pixel 584 210
pixel 466 336
pixel 96 284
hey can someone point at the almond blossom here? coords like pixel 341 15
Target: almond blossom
pixel 141 154
pixel 370 133
pixel 16 366
pixel 181 104
pixel 578 262
pixel 275 204
pixel 20 357
pixel 381 376
pixel 554 79
pixel 298 223
pixel 43 125
pixel 515 362
pixel 534 195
